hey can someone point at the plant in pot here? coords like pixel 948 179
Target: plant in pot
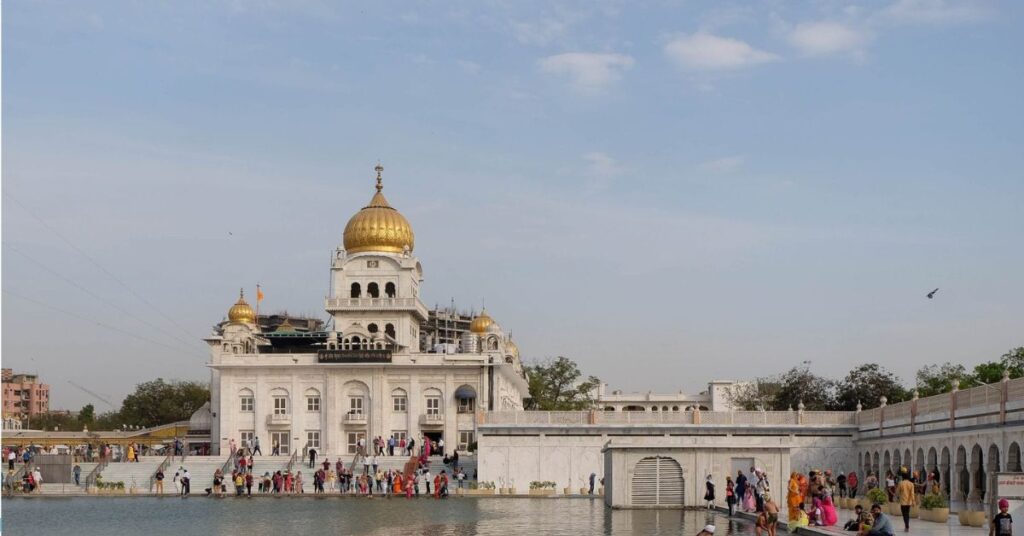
pixel 934 508
pixel 542 487
pixel 876 496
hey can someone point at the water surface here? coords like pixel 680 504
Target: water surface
pixel 87 516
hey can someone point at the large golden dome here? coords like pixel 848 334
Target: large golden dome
pixel 481 323
pixel 241 312
pixel 378 226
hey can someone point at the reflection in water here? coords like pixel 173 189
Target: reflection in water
pixel 332 515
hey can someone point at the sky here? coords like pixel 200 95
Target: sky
pixel 665 192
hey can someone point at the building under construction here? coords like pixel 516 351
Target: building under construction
pixel 444 329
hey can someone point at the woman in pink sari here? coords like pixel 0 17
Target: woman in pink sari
pixel 749 503
pixel 829 516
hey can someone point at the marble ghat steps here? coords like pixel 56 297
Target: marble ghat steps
pixel 133 474
pixel 397 463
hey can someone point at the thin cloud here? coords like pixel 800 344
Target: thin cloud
pixel 934 12
pixel 707 52
pixel 601 169
pixel 826 38
pixel 587 71
pixel 724 165
pixel 539 33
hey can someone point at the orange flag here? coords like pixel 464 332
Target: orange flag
pixel 259 294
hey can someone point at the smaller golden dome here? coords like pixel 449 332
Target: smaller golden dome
pixel 285 327
pixel 481 323
pixel 241 312
pixel 511 348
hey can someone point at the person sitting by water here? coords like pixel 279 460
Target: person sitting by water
pixel 881 526
pixel 859 521
pixel 761 524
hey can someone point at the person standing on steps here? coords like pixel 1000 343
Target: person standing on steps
pixel 256 446
pixel 709 492
pixel 312 457
pixel 593 478
pixel 159 477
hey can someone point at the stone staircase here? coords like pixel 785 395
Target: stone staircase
pixel 397 463
pixel 134 475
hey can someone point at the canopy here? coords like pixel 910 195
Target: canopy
pixel 465 391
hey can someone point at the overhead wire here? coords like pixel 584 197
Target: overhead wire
pixel 98 323
pixel 95 263
pixel 98 297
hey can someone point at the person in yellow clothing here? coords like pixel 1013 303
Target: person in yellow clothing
pixel 907 498
pixel 131 453
pixel 793 498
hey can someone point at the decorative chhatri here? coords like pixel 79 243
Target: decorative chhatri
pixel 378 226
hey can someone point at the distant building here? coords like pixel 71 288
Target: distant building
pixel 24 396
pixel 714 399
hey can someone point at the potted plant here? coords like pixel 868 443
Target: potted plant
pixel 484 488
pixel 542 487
pixel 875 495
pixel 934 508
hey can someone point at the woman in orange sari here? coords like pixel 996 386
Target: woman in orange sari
pixel 397 485
pixel 794 499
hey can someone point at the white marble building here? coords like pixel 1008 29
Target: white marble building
pixel 715 398
pixel 365 375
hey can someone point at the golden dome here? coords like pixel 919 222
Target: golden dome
pixel 241 312
pixel 481 323
pixel 378 226
pixel 511 348
pixel 285 327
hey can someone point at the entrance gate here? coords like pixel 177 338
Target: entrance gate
pixel 657 481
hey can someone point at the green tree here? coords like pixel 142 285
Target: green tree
pixel 555 385
pixel 755 395
pixel 798 385
pixel 1014 362
pixel 866 384
pixel 938 379
pixel 87 415
pixel 160 402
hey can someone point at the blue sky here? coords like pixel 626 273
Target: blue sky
pixel 704 189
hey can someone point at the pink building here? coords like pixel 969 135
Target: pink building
pixel 23 395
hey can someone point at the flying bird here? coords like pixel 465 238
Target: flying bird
pixel 932 294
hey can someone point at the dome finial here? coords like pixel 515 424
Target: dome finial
pixel 380 182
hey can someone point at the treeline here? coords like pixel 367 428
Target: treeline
pixel 151 404
pixel 866 384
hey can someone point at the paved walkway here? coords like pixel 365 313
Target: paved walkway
pixel 917 527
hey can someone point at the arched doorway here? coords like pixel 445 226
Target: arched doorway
pixel 1013 458
pixel 657 481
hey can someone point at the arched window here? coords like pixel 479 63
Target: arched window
pixel 280 398
pixel 675 408
pixel 389 290
pixel 372 328
pixel 312 400
pixel 703 408
pixel 654 408
pixel 372 290
pixel 609 408
pixel 389 329
pixel 432 397
pixel 465 396
pixel 356 290
pixel 246 400
pixel 399 401
pixel 633 408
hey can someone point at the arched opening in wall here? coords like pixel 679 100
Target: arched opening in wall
pixel 657 481
pixel 372 328
pixel 932 465
pixel 372 290
pixel 887 462
pixel 866 466
pixel 992 467
pixel 675 408
pixel 355 343
pixel 919 463
pixel 703 408
pixel 907 460
pixel 355 291
pixel 978 465
pixel 874 463
pixel 944 470
pixel 664 408
pixel 1013 464
pixel 897 460
pixel 633 408
pixel 609 408
pixel 654 408
pixel 963 475
pixel 389 290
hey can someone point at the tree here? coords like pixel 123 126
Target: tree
pixel 87 415
pixel 555 385
pixel 866 384
pixel 801 385
pixel 159 402
pixel 755 395
pixel 938 379
pixel 1014 362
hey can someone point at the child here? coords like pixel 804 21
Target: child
pixel 1002 523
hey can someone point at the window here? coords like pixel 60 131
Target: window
pixel 373 290
pixel 355 405
pixel 399 435
pixel 465 438
pixel 389 329
pixel 389 290
pixel 281 439
pixel 372 328
pixel 353 440
pixel 312 439
pixel 313 403
pixel 466 405
pixel 356 290
pixel 280 405
pixel 401 403
pixel 247 437
pixel 246 401
pixel 433 405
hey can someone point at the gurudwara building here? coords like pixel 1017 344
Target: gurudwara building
pixel 383 365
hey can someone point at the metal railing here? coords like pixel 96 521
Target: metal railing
pixel 12 481
pixel 292 460
pixel 162 467
pixel 90 479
